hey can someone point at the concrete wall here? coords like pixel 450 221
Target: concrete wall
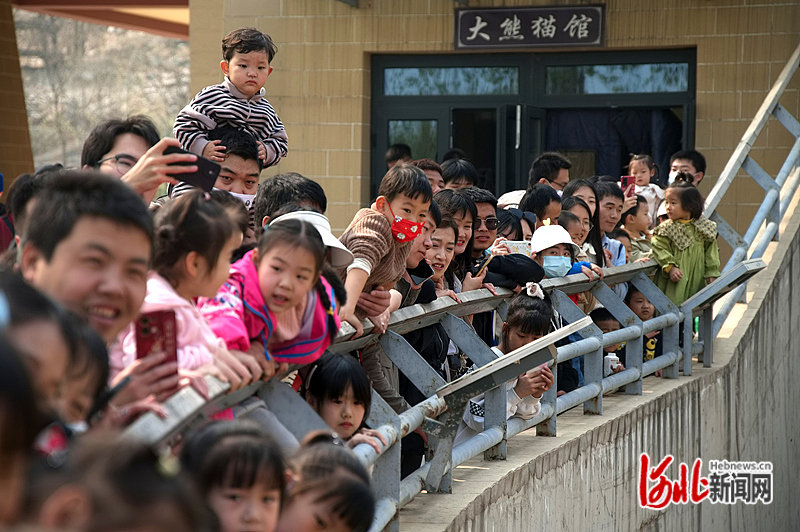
pixel 745 408
pixel 15 144
pixel 321 83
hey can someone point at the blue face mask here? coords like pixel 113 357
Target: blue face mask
pixel 556 266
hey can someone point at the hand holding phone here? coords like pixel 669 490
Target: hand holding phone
pixel 205 176
pixel 156 332
pixel 484 265
pixel 625 183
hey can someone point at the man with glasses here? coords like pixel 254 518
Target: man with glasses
pixel 130 150
pixel 507 270
pixel 550 168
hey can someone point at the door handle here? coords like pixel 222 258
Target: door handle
pixel 518 126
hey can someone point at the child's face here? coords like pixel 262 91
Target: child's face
pixel 626 242
pixel 286 273
pixel 213 279
pixel 303 513
pixel 608 326
pixel 515 338
pixel 587 195
pixel 586 222
pixel 254 509
pixel 641 173
pixel 457 183
pixel 343 415
pixel 45 352
pixel 610 210
pixel 559 250
pixel 576 232
pixel 675 210
pixel 641 306
pixel 639 222
pixel 248 72
pixel 442 251
pixel 464 223
pixel 76 396
pixel 411 209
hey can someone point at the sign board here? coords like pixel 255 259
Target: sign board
pixel 529 27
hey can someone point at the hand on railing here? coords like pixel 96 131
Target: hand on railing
pixel 534 382
pixel 368 436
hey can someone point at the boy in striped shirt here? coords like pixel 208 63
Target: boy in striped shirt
pixel 238 101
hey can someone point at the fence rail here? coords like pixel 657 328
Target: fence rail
pixel 440 416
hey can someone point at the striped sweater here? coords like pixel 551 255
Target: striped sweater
pixel 225 105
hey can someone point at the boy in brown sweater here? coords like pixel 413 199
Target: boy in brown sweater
pixel 380 237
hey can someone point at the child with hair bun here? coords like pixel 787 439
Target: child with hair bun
pixel 529 317
pixel 685 246
pixel 193 245
pixel 643 169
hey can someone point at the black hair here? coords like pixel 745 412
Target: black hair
pixel 237 142
pixel 459 170
pixel 101 140
pixel 436 213
pixel 281 189
pixel 698 161
pixel 427 164
pixel 647 160
pixel 479 195
pixel 23 189
pixel 566 218
pixel 529 314
pixel 20 418
pixel 690 198
pixel 398 152
pixel 619 232
pixel 602 314
pixel 640 200
pixel 632 290
pixel 329 377
pixel 406 179
pixel 191 222
pixel 299 233
pixel 538 198
pixel 454 153
pixel 607 188
pixel 93 355
pixel 234 208
pixel 547 166
pixel 246 40
pixel 506 220
pixel 453 205
pixel 448 223
pixel 73 194
pixel 233 454
pixel 26 305
pixel 604 179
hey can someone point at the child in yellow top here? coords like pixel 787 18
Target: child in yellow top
pixel 685 246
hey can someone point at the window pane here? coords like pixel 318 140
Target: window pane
pixel 450 81
pixel 617 79
pixel 420 135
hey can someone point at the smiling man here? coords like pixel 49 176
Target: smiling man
pixel 88 244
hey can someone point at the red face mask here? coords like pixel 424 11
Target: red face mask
pixel 405 230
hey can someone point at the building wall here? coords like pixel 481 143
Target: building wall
pixel 15 143
pixel 321 83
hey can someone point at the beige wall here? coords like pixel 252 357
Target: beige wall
pixel 321 83
pixel 15 144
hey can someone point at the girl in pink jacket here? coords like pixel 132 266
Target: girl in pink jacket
pixel 195 238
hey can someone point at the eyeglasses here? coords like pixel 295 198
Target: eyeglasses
pixel 491 223
pixel 122 162
pixel 558 186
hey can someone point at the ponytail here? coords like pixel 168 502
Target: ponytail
pixel 330 308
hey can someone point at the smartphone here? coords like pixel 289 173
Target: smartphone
pixel 420 274
pixel 206 174
pixel 625 182
pixel 483 265
pixel 523 247
pixel 155 331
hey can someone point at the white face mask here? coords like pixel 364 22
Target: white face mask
pixel 247 199
pixel 560 193
pixel 672 175
pixel 77 427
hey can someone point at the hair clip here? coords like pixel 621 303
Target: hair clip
pixel 534 290
pixel 206 196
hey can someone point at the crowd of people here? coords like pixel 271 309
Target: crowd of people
pixel 122 283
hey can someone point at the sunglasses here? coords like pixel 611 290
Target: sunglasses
pixel 490 223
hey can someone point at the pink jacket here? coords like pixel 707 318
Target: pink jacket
pixel 238 315
pixel 197 343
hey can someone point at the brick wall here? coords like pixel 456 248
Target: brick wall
pixel 321 82
pixel 15 145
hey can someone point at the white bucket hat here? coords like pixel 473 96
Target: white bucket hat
pixel 548 236
pixel 341 257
